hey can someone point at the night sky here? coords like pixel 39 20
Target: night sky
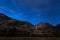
pixel 33 11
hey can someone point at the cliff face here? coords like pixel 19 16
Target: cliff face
pixel 6 21
pixel 15 28
pixel 44 29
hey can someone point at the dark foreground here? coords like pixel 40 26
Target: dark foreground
pixel 29 38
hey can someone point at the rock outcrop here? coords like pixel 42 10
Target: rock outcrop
pixel 12 27
pixel 44 30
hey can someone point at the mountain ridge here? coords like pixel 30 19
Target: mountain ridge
pixel 13 27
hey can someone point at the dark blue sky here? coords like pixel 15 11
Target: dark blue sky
pixel 34 11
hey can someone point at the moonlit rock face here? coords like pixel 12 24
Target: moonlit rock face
pixel 34 11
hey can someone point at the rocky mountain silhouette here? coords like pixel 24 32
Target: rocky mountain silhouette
pixel 10 27
pixel 8 22
pixel 44 29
